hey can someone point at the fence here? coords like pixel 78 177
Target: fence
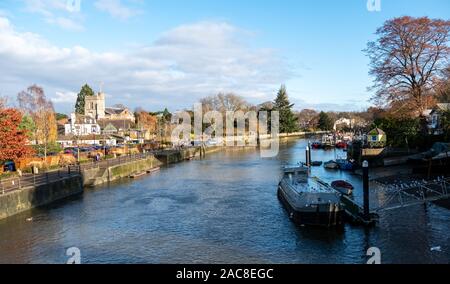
pixel 414 192
pixel 27 180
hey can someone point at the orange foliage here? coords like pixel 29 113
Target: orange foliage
pixel 12 139
pixel 146 121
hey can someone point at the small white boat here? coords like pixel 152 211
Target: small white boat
pixel 331 165
pixel 343 187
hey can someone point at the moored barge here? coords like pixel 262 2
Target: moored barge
pixel 307 201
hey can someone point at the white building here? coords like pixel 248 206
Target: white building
pixel 434 118
pixel 72 141
pixel 82 125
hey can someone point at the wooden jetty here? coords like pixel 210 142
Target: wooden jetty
pixel 354 212
pixel 140 174
pixel 400 195
pixel 137 175
pixel 153 170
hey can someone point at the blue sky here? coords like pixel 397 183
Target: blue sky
pixel 171 53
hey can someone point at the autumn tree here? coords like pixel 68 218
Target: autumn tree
pixel 34 103
pixel 288 120
pixel 146 121
pixel 12 139
pixel 84 92
pixel 405 61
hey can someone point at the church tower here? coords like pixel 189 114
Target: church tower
pixel 95 106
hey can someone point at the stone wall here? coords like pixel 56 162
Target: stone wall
pixel 25 199
pixel 176 156
pixel 125 170
pixel 99 176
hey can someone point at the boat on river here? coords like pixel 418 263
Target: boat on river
pixel 307 200
pixel 341 164
pixel 331 165
pixel 341 145
pixel 343 187
pixel 345 165
pixel 328 142
pixel 316 145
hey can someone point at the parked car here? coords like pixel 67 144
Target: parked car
pixel 9 166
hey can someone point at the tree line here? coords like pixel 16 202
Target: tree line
pixel 409 63
pixel 34 120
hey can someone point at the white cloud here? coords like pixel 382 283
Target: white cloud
pixel 65 97
pixel 183 65
pixel 116 9
pixel 4 13
pixel 56 12
pixel 65 23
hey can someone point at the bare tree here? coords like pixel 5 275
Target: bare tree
pixel 307 119
pixel 3 102
pixel 224 102
pixel 406 59
pixel 33 102
pixel 443 87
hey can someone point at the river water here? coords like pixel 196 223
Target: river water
pixel 223 209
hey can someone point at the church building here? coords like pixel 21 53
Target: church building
pixel 95 107
pixel 99 119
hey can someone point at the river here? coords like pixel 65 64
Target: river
pixel 222 209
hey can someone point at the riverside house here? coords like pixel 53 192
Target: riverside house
pixel 81 125
pixel 434 118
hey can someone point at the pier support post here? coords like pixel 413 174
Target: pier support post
pixel 308 156
pixel 310 150
pixel 366 189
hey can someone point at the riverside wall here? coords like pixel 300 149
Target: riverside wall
pixel 18 201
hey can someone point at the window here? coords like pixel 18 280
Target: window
pixel 435 120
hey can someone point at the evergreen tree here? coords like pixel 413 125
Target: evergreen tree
pixel 85 91
pixel 288 120
pixel 60 116
pixel 167 115
pixel 325 122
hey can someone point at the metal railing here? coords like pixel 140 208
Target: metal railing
pixel 27 180
pixel 413 193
